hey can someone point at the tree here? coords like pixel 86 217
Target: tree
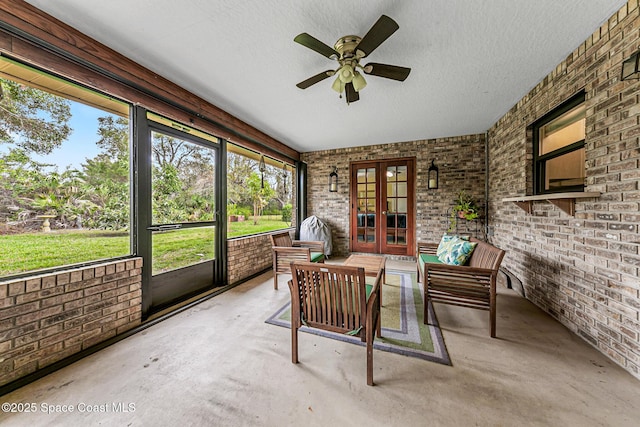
pixel 260 195
pixel 183 180
pixel 169 150
pixel 32 119
pixel 112 164
pixel 106 176
pixel 239 168
pixel 281 182
pixel 20 179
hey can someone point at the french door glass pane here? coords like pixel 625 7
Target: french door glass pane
pixel 366 202
pixel 402 174
pixel 396 204
pixel 402 189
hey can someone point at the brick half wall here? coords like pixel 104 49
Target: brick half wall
pixel 46 318
pixel 247 256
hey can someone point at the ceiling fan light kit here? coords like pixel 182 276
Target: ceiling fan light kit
pixel 348 51
pixel 358 82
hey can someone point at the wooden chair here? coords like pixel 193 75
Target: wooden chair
pixel 335 298
pixel 471 285
pixel 286 250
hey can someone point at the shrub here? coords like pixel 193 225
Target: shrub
pixel 247 211
pixel 286 213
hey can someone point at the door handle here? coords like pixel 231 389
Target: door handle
pixel 166 227
pixel 384 212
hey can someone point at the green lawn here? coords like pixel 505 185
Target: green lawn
pixel 33 251
pixel 180 248
pixel 235 229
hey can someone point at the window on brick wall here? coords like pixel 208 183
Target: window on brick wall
pixel 559 153
pixel 257 201
pixel 64 172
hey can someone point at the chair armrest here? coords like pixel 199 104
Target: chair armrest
pixel 376 289
pixel 458 270
pixel 314 245
pixel 290 250
pixel 373 309
pixel 427 248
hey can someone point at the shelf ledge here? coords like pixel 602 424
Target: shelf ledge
pixel 564 201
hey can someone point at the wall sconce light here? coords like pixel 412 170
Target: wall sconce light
pixel 333 180
pixel 432 176
pixel 631 67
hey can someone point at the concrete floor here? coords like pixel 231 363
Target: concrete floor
pixel 219 364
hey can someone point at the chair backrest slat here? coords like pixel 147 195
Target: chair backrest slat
pixel 486 256
pixel 281 239
pixel 332 296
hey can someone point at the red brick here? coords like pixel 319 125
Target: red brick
pixel 66 334
pixel 63 278
pixel 33 285
pixel 49 282
pixel 16 288
pixel 75 276
pixel 18 310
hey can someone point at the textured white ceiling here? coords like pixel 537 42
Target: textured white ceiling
pixel 471 61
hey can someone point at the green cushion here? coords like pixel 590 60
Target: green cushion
pixel 458 251
pixel 369 281
pixel 429 258
pixel 317 256
pixel 424 258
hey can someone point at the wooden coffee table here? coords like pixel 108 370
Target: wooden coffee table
pixel 372 264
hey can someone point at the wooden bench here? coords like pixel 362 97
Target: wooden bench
pixel 471 285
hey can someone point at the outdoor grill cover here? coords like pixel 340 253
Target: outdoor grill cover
pixel 313 228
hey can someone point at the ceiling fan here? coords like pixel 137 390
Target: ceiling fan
pixel 348 51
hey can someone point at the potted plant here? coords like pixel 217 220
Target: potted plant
pixel 464 208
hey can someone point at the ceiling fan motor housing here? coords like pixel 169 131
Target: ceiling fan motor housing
pixel 346 47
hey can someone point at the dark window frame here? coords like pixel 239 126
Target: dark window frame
pixel 539 161
pixel 91 92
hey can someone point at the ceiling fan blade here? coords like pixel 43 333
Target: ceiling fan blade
pixel 388 71
pixel 313 43
pixel 315 79
pixel 381 30
pixel 352 95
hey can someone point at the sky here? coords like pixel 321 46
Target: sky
pixel 80 145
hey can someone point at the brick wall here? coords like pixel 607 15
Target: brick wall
pixel 44 319
pixel 247 256
pixel 582 270
pixel 461 165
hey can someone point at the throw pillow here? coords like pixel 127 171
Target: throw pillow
pixel 445 243
pixel 459 251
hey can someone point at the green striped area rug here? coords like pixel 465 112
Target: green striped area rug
pixel 403 329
